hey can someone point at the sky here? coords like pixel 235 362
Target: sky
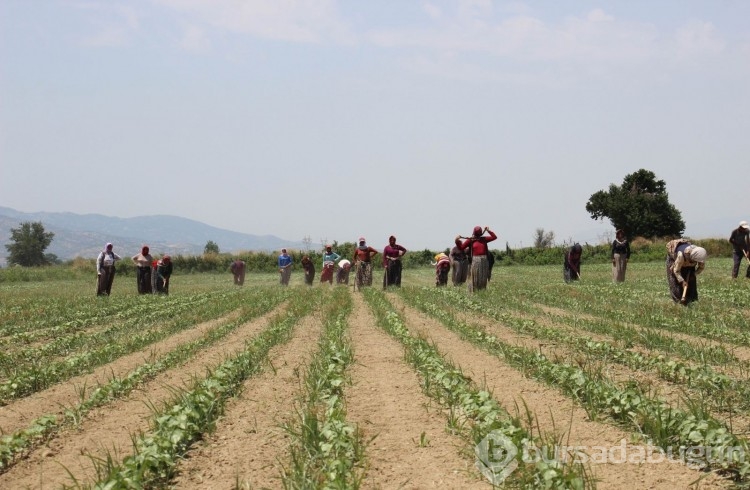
pixel 338 119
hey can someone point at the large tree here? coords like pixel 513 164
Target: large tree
pixel 640 207
pixel 27 245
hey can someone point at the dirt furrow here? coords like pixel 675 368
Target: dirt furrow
pixel 22 412
pixel 556 412
pixel 410 446
pixel 249 443
pixel 108 430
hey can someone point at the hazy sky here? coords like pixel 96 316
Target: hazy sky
pixel 335 119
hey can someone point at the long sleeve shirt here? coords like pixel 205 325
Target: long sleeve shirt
pixel 478 245
pixel 620 247
pixel 740 240
pixel 106 259
pixel 285 260
pixel 392 252
pixel 330 258
pixel 681 260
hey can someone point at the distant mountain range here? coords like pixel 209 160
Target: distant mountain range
pixel 84 235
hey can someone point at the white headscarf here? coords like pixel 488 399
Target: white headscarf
pixel 698 254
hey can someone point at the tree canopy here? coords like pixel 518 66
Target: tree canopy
pixel 211 247
pixel 640 207
pixel 27 245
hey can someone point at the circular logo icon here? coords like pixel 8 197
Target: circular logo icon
pixel 496 457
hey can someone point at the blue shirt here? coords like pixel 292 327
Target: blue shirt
pixel 331 257
pixel 285 260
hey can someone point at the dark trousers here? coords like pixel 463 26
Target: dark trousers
pixel 738 256
pixel 105 280
pixel 392 275
pixel 162 284
pixel 143 280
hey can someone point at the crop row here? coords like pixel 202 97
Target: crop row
pixel 475 414
pixel 43 428
pixel 327 451
pixel 719 389
pixel 24 380
pixel 195 411
pixel 629 405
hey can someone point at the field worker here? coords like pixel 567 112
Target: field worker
pixel 620 255
pixel 285 267
pixel 460 265
pixel 392 254
pixel 684 262
pixel 362 260
pixel 442 267
pixel 238 271
pixel 740 240
pixel 105 270
pixel 142 263
pixel 479 270
pixel 329 264
pixel 309 268
pixel 342 275
pixel 163 273
pixel 572 263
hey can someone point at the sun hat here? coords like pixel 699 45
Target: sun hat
pixel 743 224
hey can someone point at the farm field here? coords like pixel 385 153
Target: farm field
pixel 533 383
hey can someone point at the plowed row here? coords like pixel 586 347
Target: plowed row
pixel 408 437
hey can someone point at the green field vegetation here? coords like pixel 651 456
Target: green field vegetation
pixel 54 328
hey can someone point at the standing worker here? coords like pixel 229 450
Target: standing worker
pixel 460 265
pixel 392 254
pixel 620 255
pixel 142 262
pixel 329 264
pixel 105 270
pixel 477 245
pixel 362 260
pixel 740 240
pixel 285 267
